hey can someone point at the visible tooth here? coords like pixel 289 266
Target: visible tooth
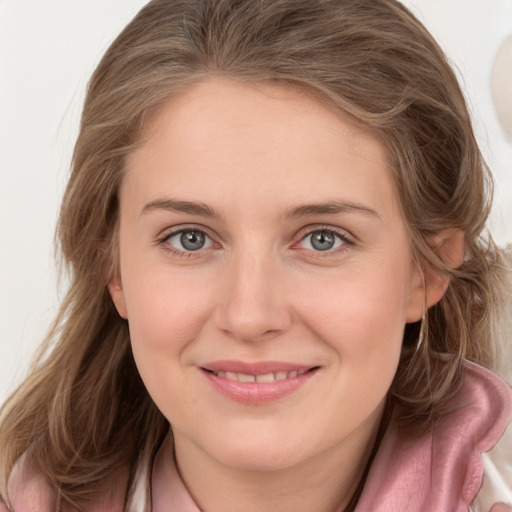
pixel 267 377
pixel 242 377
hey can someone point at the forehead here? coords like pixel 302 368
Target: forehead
pixel 221 102
pixel 268 140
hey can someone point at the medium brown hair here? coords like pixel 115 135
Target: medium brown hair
pixel 84 413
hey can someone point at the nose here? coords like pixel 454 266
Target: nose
pixel 251 304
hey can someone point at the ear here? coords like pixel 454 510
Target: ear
pixel 115 288
pixel 429 286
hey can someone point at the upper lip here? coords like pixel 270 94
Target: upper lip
pixel 256 368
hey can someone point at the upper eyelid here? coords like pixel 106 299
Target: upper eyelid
pixel 169 232
pixel 308 230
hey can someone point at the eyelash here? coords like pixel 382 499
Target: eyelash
pixel 346 239
pixel 163 241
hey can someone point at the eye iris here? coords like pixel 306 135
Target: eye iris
pixel 192 240
pixel 322 240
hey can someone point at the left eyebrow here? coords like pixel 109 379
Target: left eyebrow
pixel 329 208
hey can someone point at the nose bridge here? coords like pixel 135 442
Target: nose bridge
pixel 252 304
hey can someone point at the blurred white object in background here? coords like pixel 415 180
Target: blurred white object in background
pixel 501 85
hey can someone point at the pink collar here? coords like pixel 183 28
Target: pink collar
pixel 439 471
pixel 442 470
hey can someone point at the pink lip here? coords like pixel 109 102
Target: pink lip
pixel 256 393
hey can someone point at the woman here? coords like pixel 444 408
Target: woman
pixel 274 228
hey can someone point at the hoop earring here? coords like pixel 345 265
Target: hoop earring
pixel 421 336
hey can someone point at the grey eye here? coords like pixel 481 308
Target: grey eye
pixel 322 240
pixel 192 240
pixel 189 240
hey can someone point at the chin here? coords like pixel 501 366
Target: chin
pixel 259 455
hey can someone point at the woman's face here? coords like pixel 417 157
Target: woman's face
pixel 265 272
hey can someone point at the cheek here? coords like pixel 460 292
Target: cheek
pixel 165 314
pixel 361 316
pixel 164 319
pixel 367 306
pixel 164 303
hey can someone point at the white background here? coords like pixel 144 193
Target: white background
pixel 49 48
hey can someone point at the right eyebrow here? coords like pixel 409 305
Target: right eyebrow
pixel 174 205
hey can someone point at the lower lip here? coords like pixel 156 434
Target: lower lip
pixel 257 393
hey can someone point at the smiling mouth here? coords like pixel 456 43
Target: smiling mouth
pixel 259 383
pixel 266 377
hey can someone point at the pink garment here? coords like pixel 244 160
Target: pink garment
pixel 443 470
pixel 440 472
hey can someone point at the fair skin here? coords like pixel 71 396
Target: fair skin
pixel 256 225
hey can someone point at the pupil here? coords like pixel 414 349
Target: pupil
pixel 192 240
pixel 322 240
